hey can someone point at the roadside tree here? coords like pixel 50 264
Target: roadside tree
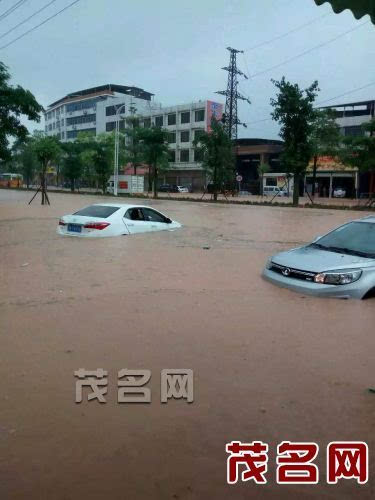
pixel 216 151
pixel 293 110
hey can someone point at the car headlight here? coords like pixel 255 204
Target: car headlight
pixel 269 264
pixel 342 277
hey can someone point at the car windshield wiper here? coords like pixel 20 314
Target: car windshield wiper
pixel 349 251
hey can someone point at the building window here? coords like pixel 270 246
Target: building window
pixel 159 121
pixel 185 117
pixel 110 110
pixel 172 137
pixel 110 126
pixel 77 120
pixel 147 122
pixel 199 115
pixel 78 106
pixel 355 131
pixel 62 122
pixel 172 119
pixel 62 135
pixel 172 155
pixel 185 136
pixel 184 155
pixel 72 134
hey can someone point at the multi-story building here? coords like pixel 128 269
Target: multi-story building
pixel 95 111
pixel 351 116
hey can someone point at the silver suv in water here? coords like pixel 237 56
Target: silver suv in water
pixel 340 264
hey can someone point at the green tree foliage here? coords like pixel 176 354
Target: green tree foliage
pixel 14 102
pixel 72 163
pixel 46 149
pixel 97 156
pixel 359 8
pixel 25 159
pixel 155 150
pixel 324 138
pixel 134 146
pixel 216 151
pixel 293 110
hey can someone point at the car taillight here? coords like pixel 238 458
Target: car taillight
pixel 62 223
pixel 96 225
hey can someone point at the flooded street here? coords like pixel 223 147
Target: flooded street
pixel 269 364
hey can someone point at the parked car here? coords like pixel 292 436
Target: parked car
pixel 182 189
pixel 274 191
pixel 168 188
pixel 339 192
pixel 110 219
pixel 340 264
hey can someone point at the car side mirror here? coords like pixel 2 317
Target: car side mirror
pixel 168 221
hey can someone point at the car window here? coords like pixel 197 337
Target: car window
pixel 134 214
pixel 101 211
pixel 355 236
pixel 153 216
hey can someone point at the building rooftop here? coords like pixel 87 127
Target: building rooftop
pixel 109 88
pixel 350 104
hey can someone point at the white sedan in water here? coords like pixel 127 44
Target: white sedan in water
pixel 114 219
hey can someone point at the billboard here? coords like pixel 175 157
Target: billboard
pixel 214 110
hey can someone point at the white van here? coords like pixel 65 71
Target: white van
pixel 274 191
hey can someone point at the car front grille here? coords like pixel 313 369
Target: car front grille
pixel 289 272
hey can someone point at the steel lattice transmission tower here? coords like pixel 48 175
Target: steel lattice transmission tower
pixel 230 119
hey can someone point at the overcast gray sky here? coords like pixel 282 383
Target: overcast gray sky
pixel 176 50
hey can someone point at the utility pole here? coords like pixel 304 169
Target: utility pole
pixel 230 119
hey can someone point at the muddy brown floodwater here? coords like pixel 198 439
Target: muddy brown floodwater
pixel 269 364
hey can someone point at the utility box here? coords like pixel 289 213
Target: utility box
pixel 128 184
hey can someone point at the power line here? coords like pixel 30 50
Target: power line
pixel 38 25
pixel 27 19
pixel 322 102
pixel 12 9
pixel 347 93
pixel 309 50
pixel 294 30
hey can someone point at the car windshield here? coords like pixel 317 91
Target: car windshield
pixel 355 238
pixel 101 211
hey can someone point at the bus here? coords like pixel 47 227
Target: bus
pixel 11 180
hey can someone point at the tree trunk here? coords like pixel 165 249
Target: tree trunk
pixel 149 179
pixel 72 185
pixel 296 190
pixel 215 182
pixel 314 175
pixel 155 181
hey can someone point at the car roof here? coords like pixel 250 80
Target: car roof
pixel 368 218
pixel 120 205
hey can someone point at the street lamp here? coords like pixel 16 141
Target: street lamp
pixel 117 139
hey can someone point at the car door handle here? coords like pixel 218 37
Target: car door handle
pixel 130 224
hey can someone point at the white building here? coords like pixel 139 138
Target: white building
pixel 94 111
